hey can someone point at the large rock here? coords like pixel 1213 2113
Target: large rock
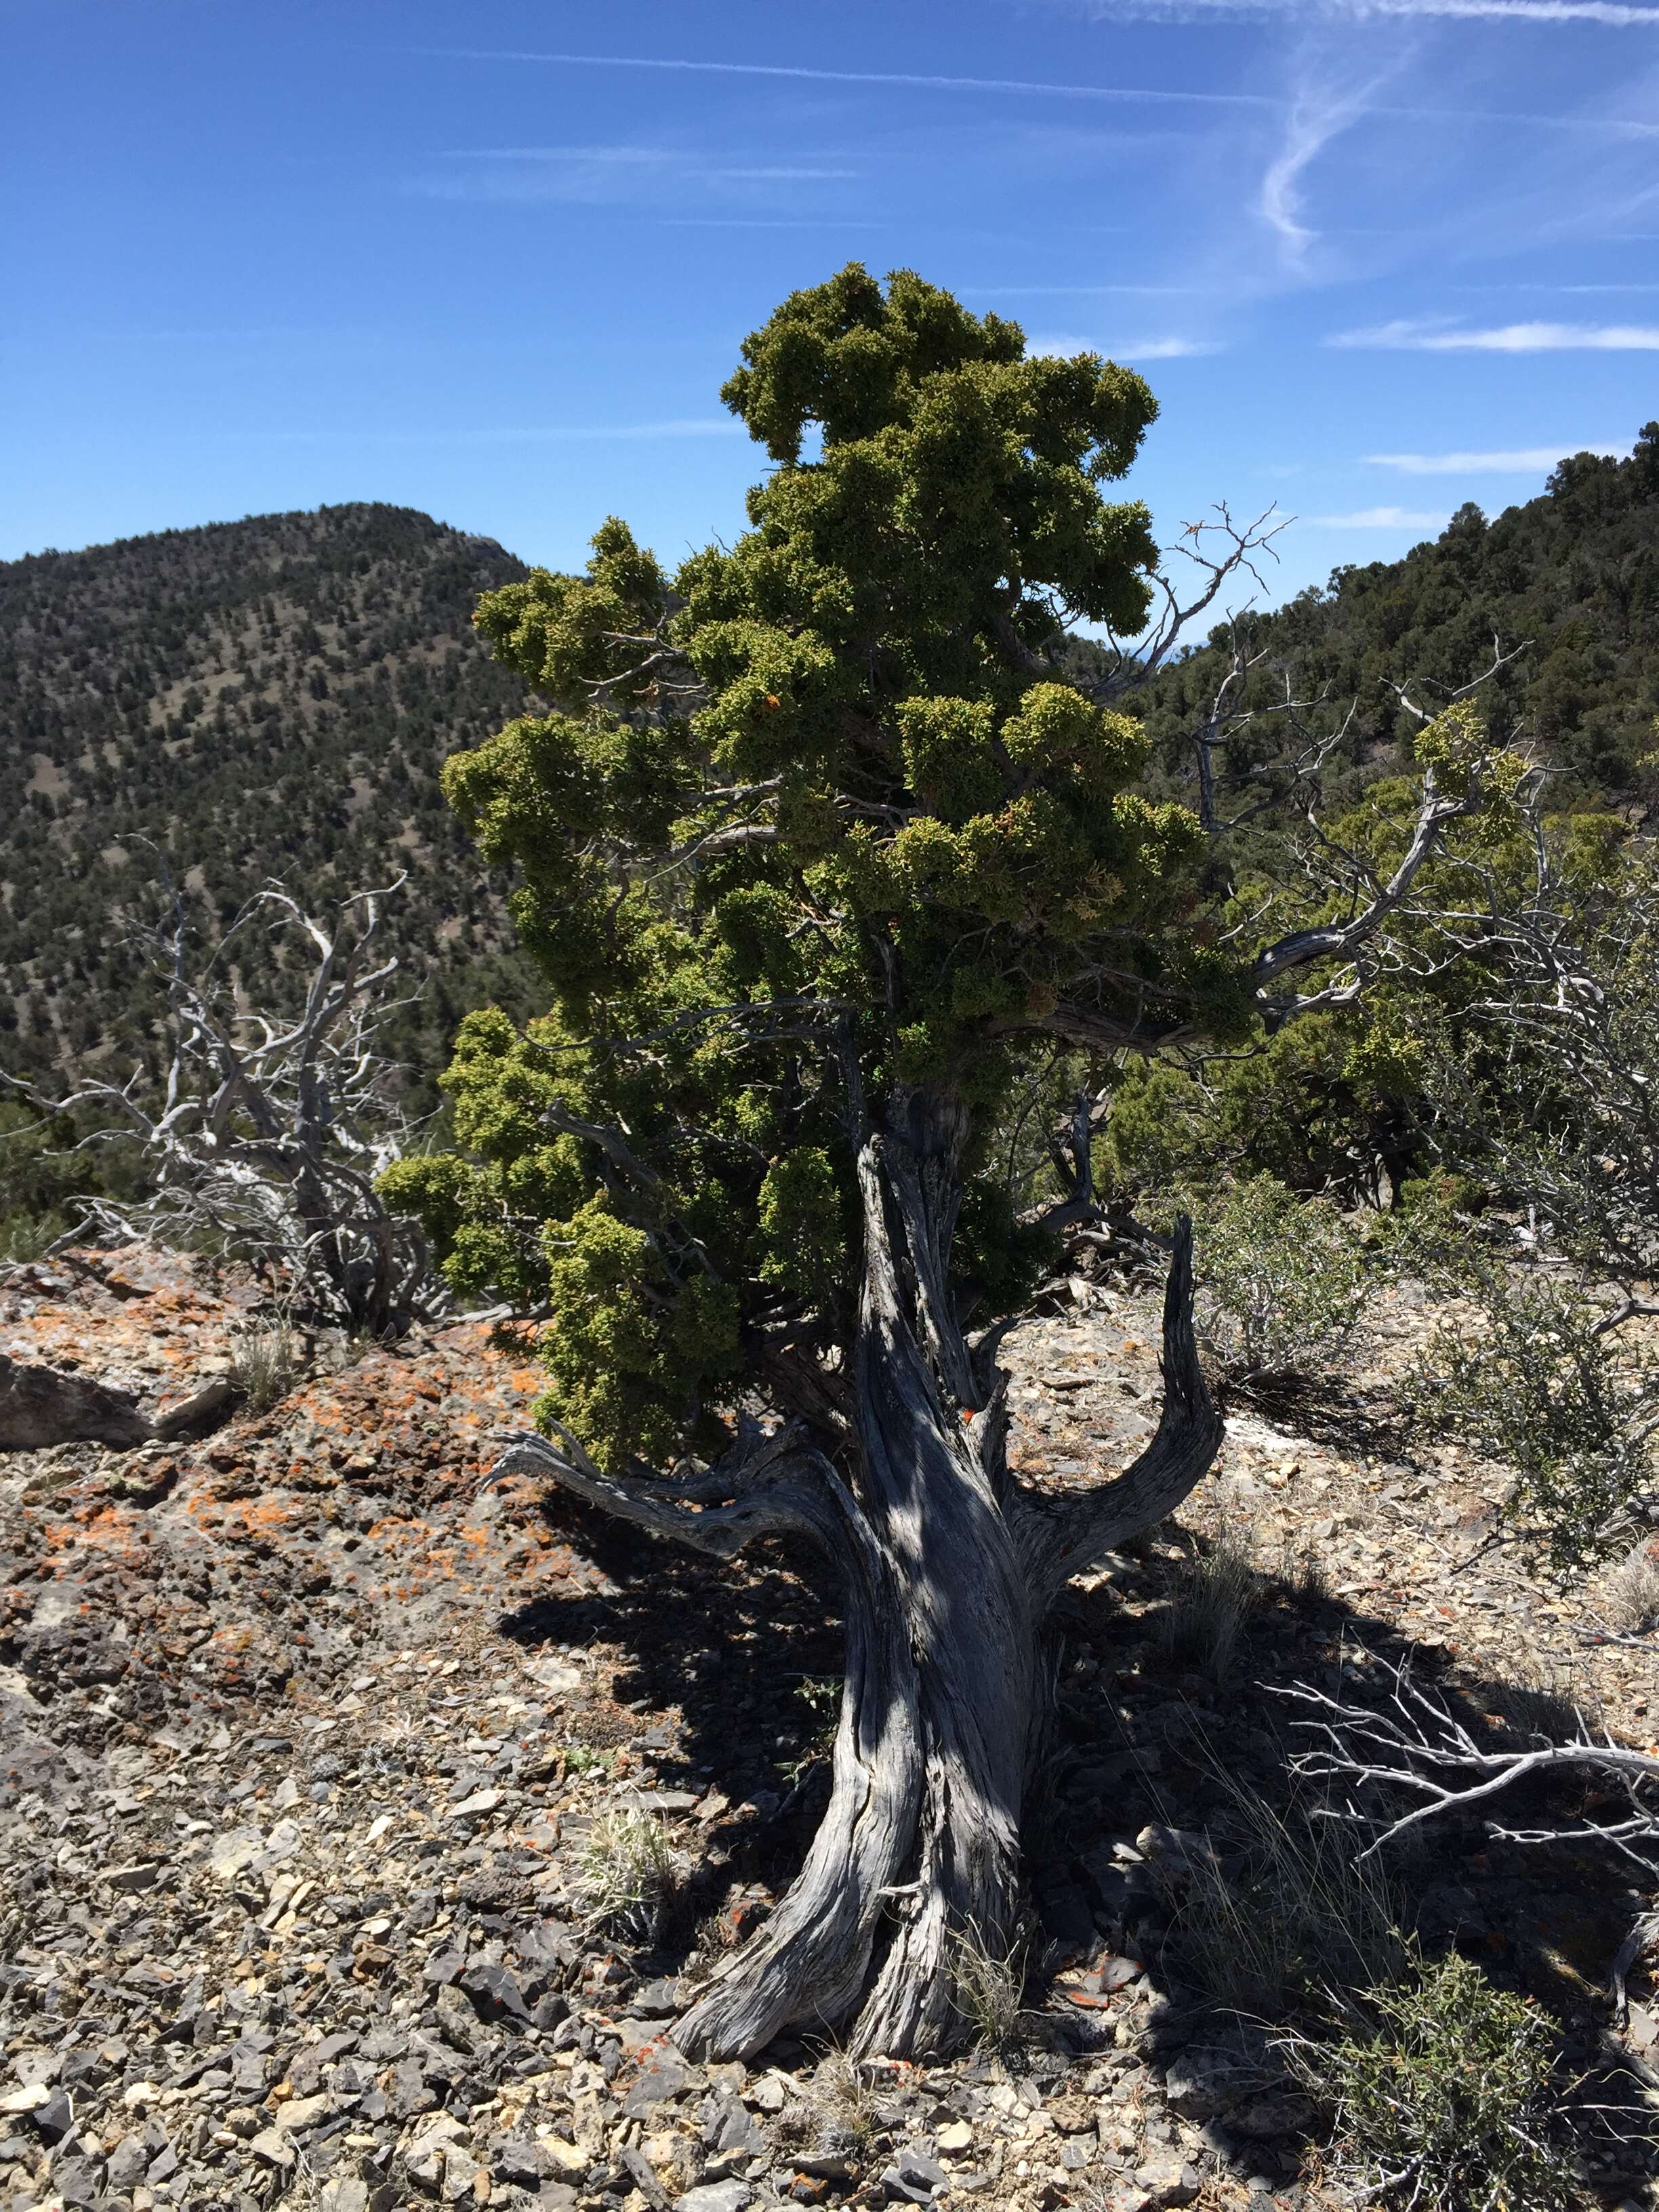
pixel 43 1406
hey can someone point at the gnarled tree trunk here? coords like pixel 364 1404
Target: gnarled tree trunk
pixel 951 1569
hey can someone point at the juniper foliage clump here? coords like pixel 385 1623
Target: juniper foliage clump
pixel 811 806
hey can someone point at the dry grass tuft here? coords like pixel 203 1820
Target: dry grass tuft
pixel 844 2097
pixel 1220 1588
pixel 989 1987
pixel 1545 1704
pixel 625 1872
pixel 1630 1592
pixel 266 1362
pixel 1289 1915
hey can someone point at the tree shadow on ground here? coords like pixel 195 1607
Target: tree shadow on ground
pixel 719 1662
pixel 713 1658
pixel 1359 1424
pixel 1257 1946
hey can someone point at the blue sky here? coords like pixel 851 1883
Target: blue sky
pixel 1375 259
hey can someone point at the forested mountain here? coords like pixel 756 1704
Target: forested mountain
pixel 256 699
pixel 1573 575
pixel 272 697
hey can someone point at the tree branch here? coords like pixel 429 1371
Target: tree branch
pixel 1067 1535
pixel 1417 1746
pixel 774 1485
pixel 1346 940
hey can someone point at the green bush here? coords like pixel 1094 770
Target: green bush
pixel 40 1176
pixel 1282 1280
pixel 1321 1105
pixel 1444 2098
pixel 1526 1371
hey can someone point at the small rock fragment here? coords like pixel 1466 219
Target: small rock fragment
pixel 716 2196
pixel 272 2148
pixel 1168 2181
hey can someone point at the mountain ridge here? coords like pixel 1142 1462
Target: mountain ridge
pixel 225 704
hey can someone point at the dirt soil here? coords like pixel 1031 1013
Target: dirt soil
pixel 312 1741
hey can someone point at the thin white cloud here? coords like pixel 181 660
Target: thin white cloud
pixel 1173 10
pixel 1405 336
pixel 1064 347
pixel 1314 120
pixel 1377 518
pixel 929 83
pixel 1612 13
pixel 1525 460
pixel 1616 15
pixel 1168 349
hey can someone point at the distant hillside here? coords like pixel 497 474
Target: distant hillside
pixel 256 698
pixel 1575 572
pixel 274 697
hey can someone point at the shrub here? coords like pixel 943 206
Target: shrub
pixel 1528 1372
pixel 27 1236
pixel 1444 2096
pixel 1283 1281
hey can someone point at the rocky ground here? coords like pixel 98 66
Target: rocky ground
pixel 317 1753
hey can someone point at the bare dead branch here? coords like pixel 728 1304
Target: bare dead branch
pixel 1413 1745
pixel 1066 1536
pixel 269 1134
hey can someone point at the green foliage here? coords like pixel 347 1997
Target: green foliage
pixel 1575 573
pixel 38 1179
pixel 1282 1280
pixel 1444 2096
pixel 634 1346
pixel 1541 1220
pixel 1333 1101
pixel 1312 1107
pixel 1525 1369
pixel 802 1223
pixel 819 806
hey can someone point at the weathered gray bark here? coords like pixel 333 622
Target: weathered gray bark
pixel 950 1570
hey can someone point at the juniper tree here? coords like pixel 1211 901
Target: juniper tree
pixel 819 847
